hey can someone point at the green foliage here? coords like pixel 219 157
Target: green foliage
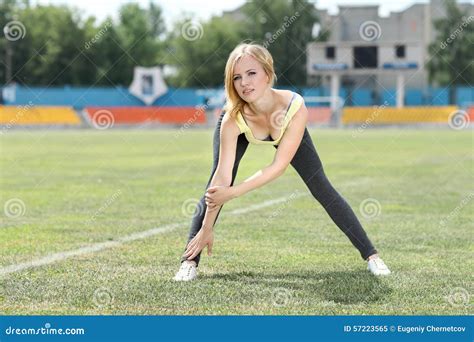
pixel 60 47
pixel 285 28
pixel 199 51
pixel 452 52
pixel 50 52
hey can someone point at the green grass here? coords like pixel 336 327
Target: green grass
pixel 86 187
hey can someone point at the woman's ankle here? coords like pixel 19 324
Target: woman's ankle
pixel 191 261
pixel 373 256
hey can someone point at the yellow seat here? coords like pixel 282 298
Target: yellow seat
pixel 391 115
pixel 33 115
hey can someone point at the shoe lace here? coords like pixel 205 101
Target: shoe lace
pixel 186 268
pixel 379 263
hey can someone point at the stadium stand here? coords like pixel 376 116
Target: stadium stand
pixel 141 115
pixel 391 115
pixel 38 115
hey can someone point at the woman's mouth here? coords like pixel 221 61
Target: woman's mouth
pixel 246 92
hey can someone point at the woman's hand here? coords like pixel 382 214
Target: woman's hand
pixel 218 195
pixel 205 237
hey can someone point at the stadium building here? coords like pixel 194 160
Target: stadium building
pixel 381 57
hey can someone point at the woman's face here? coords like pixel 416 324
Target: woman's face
pixel 250 80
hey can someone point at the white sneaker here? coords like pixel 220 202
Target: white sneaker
pixel 378 267
pixel 187 271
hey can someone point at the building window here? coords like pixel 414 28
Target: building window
pixel 400 51
pixel 365 57
pixel 330 52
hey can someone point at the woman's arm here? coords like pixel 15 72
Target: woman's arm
pixel 258 179
pixel 211 210
pixel 285 152
pixel 222 177
pixel 289 144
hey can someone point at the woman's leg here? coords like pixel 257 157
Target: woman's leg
pixel 308 165
pixel 198 216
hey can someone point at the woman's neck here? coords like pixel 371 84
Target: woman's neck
pixel 266 104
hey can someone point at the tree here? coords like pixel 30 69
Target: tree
pixel 9 12
pixel 134 40
pixel 200 50
pixel 285 27
pixel 452 52
pixel 60 47
pixel 50 52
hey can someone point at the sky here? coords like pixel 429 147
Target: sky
pixel 204 9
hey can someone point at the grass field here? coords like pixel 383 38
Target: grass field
pixel 64 190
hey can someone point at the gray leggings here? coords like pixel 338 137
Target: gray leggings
pixel 308 165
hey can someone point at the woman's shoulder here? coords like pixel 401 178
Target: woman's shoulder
pixel 284 93
pixel 230 124
pixel 288 95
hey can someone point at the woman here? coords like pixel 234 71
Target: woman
pixel 257 113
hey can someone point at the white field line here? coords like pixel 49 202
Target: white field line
pixel 97 247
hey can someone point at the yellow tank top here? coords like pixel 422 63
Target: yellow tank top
pixel 293 107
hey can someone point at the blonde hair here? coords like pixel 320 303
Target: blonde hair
pixel 234 102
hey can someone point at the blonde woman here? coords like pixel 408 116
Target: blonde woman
pixel 257 113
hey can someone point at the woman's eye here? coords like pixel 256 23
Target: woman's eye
pixel 236 78
pixel 252 73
